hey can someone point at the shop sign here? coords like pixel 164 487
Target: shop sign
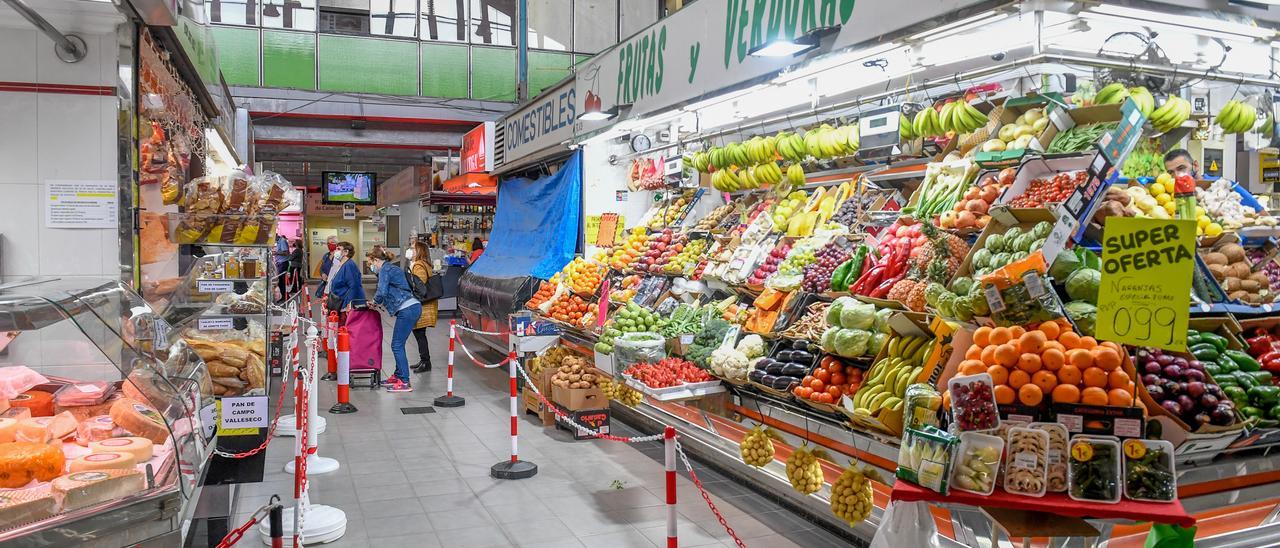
pixel 1145 297
pixel 477 149
pixel 704 48
pixel 242 416
pixel 543 123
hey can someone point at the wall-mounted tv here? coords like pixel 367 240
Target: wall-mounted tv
pixel 349 187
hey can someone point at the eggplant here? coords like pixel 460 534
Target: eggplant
pixel 757 375
pixel 783 356
pixel 764 364
pixel 801 345
pixel 776 368
pixel 768 380
pixel 783 383
pixel 795 370
pixel 800 356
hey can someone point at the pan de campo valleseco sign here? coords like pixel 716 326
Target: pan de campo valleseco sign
pixel 1145 296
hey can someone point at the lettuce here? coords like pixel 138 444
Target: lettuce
pixel 858 316
pixel 852 343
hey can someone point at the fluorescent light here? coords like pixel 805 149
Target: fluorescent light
pixel 1190 23
pixel 1163 26
pixel 790 48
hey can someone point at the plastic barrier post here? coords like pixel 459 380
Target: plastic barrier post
pixel 331 348
pixel 315 424
pixel 450 400
pixel 514 468
pixel 344 375
pixel 669 443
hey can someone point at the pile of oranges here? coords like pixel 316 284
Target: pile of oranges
pixel 545 292
pixel 583 277
pixel 569 309
pixel 1049 362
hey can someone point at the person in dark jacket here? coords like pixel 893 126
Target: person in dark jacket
pixel 345 282
pixel 397 300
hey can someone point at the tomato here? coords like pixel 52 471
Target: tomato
pixel 815 396
pixel 835 367
pixel 822 375
pixel 825 398
pixel 834 392
pixel 808 380
pixel 818 385
pixel 837 378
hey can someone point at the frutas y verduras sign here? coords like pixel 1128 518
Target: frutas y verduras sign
pixel 1145 298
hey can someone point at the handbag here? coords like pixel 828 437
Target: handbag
pixel 427 291
pixel 333 302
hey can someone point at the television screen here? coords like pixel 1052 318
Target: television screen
pixel 349 187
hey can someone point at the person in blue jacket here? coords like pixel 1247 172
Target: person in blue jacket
pixel 345 281
pixel 397 300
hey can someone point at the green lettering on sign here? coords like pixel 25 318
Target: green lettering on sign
pixel 695 51
pixel 757 24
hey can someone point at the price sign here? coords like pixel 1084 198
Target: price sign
pixel 215 286
pixel 216 323
pixel 1147 266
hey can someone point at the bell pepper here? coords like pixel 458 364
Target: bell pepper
pixel 1227 364
pixel 1263 377
pixel 841 272
pixel 1264 396
pixel 1245 380
pixel 1243 360
pixel 1236 394
pixel 1274 413
pixel 1251 412
pixel 1261 344
pixel 1270 361
pixel 1214 339
pixel 1205 352
pixel 1212 369
pixel 881 291
pixel 868 280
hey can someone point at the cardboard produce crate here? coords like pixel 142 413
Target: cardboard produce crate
pixel 594 418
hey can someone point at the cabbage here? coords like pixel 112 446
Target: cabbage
pixel 829 339
pixel 1083 314
pixel 882 320
pixel 1083 285
pixel 852 343
pixel 833 311
pixel 877 342
pixel 858 316
pixel 1066 263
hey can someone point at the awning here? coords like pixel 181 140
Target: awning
pixel 472 183
pixel 535 227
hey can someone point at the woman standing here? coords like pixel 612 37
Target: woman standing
pixel 420 266
pixel 396 299
pixel 344 279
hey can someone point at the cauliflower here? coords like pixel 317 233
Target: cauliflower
pixel 752 346
pixel 729 362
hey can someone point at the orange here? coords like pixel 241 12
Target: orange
pixel 1106 358
pixel 1079 357
pixel 1030 395
pixel 1066 393
pixel 1017 332
pixel 1050 329
pixel 946 399
pixel 1069 374
pixel 1088 342
pixel 972 367
pixel 1095 376
pixel 1110 344
pixel 1056 346
pixel 1053 359
pixel 1117 379
pixel 1018 378
pixel 989 355
pixel 999 374
pixel 999 335
pixel 973 353
pixel 1029 362
pixel 1119 397
pixel 982 336
pixel 1007 355
pixel 1046 380
pixel 1069 340
pixel 1032 342
pixel 1093 396
pixel 1004 395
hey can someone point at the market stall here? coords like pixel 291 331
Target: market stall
pixel 912 288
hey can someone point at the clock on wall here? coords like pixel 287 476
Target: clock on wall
pixel 640 142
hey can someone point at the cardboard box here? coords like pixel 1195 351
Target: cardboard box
pixel 1030 170
pixel 1009 112
pixel 1022 218
pixel 1206 441
pixel 574 399
pixel 888 420
pixel 594 418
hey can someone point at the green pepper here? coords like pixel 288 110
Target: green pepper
pixel 1243 360
pixel 1212 369
pixel 1218 341
pixel 1274 413
pixel 1205 352
pixel 1265 396
pixel 1193 337
pixel 1235 394
pixel 1226 379
pixel 838 276
pixel 1245 380
pixel 1227 365
pixel 1251 412
pixel 1263 377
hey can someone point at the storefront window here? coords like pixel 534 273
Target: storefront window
pixel 550 24
pixel 444 20
pixel 492 21
pixel 393 18
pixel 289 14
pixel 233 12
pixel 635 16
pixel 595 24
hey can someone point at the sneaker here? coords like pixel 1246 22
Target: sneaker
pixel 398 385
pixel 388 381
pixel 422 367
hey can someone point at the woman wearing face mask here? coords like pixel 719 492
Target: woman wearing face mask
pixel 396 299
pixel 326 264
pixel 344 278
pixel 420 266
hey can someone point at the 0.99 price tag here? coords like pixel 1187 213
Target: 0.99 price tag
pixel 1145 296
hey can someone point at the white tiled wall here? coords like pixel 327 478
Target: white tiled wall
pixel 46 136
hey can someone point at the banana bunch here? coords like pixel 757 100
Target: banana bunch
pixel 906 129
pixel 1111 94
pixel 851 494
pixel 887 380
pixel 961 117
pixel 803 470
pixel 757 446
pixel 1268 125
pixel 728 180
pixel 761 149
pixel 621 393
pixel 1236 117
pixel 794 179
pixel 927 123
pixel 761 175
pixel 1143 98
pixel 1171 114
pixel 700 161
pixel 790 146
pixel 826 142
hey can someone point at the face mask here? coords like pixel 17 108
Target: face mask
pixel 338 254
pixel 333 247
pixel 408 254
pixel 375 267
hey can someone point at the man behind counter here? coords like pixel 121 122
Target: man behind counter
pixel 1179 162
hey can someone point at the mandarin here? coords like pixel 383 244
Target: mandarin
pixel 1004 395
pixel 1119 397
pixel 1029 362
pixel 1080 357
pixel 989 355
pixel 1095 377
pixel 1030 395
pixel 1066 393
pixel 999 335
pixel 1007 355
pixel 1106 358
pixel 973 353
pixel 982 336
pixel 1032 342
pixel 999 374
pixel 1088 342
pixel 1069 374
pixel 1118 379
pixel 1093 396
pixel 1018 377
pixel 1046 380
pixel 1051 329
pixel 1069 340
pixel 1052 359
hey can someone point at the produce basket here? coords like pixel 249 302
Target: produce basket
pixel 632 348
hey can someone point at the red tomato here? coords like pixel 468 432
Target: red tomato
pixel 837 378
pixel 835 367
pixel 834 392
pixel 822 375
pixel 825 398
pixel 808 380
pixel 817 385
pixel 815 396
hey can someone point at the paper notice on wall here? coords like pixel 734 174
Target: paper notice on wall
pixel 80 204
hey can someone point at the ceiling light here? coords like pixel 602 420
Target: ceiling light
pixel 784 47
pixel 1192 24
pixel 592 116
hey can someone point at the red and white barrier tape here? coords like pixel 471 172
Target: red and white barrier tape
pixel 236 534
pixel 593 432
pixel 479 332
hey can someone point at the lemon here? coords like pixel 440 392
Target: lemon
pixel 1199 231
pixel 1202 222
pixel 1213 229
pixel 1156 189
pixel 1165 179
pixel 1200 212
pixel 1170 207
pixel 1163 199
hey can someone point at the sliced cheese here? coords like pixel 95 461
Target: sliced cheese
pixel 102 461
pixel 20 462
pixel 140 420
pixel 141 448
pixel 23 506
pixel 8 430
pixel 34 430
pixel 80 489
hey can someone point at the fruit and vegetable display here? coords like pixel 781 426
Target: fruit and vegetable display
pixel 1056 471
pixel 977 463
pixel 803 470
pixel 944 185
pixel 1019 134
pixel 582 277
pixel 569 309
pixel 1148 471
pixel 1264 347
pixel 851 494
pixel 973 405
pixel 770 265
pixel 885 385
pixel 1236 117
pixel 686 320
pixel 1222 202
pixel 670 211
pixel 1026 468
pixel 829 382
pixel 629 318
pixel 1044 191
pixel 1014 244
pixel 1234 271
pixel 620 392
pixel 810 326
pixel 818 276
pixel 1093 470
pixel 849 334
pixel 1171 114
pixel 667 373
pixel 1183 389
pixel 1079 138
pixel 633 247
pixel 786 367
pixel 575 373
pixel 707 340
pixel 971 212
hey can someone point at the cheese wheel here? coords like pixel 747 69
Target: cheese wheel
pixel 38 401
pixel 94 429
pixel 20 462
pixel 23 506
pixel 140 420
pixel 8 430
pixel 80 489
pixel 102 461
pixel 140 448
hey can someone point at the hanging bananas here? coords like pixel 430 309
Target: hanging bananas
pixel 960 117
pixel 790 146
pixel 851 494
pixel 1236 117
pixel 926 123
pixel 803 470
pixel 906 129
pixel 1171 114
pixel 1111 94
pixel 757 447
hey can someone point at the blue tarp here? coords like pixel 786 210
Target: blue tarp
pixel 535 227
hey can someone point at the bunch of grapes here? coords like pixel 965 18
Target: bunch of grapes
pixel 817 276
pixel 795 263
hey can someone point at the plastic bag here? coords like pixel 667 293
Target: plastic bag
pixel 922 403
pixel 16 379
pixel 906 524
pixel 643 347
pixel 1019 293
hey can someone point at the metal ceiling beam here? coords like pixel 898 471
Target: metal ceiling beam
pixel 271 100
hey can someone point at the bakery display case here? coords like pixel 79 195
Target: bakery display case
pixel 105 423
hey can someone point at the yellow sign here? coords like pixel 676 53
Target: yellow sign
pixel 1082 452
pixel 230 431
pixel 1134 449
pixel 591 228
pixel 1145 297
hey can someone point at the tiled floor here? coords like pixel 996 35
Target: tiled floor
pixel 423 480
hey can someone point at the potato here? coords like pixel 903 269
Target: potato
pixel 1240 270
pixel 1239 296
pixel 1219 271
pixel 1250 285
pixel 1232 283
pixel 1213 258
pixel 1233 252
pixel 1261 278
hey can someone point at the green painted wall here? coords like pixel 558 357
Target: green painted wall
pixel 444 71
pixel 366 65
pixel 237 55
pixel 546 68
pixel 493 74
pixel 288 59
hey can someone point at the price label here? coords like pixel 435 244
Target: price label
pixel 1073 423
pixel 1128 428
pixel 1082 452
pixel 1026 459
pixel 1055 456
pixel 215 286
pixel 994 300
pixel 216 323
pixel 1135 449
pixel 1145 297
pixel 686 339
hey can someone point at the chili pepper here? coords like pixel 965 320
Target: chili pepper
pixel 868 280
pixel 881 291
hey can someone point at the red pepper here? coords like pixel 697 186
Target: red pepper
pixel 881 291
pixel 1270 361
pixel 868 280
pixel 1261 345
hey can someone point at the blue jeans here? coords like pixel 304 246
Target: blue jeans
pixel 405 320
